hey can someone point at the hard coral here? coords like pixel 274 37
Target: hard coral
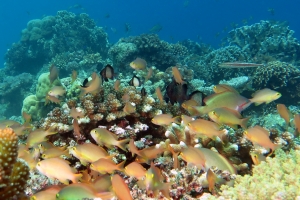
pixel 277 178
pixel 280 76
pixel 13 172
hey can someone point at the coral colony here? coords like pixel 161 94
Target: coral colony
pixel 146 119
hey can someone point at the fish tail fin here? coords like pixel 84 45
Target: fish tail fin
pixel 76 178
pixel 176 119
pixel 244 122
pixel 120 166
pixel 166 190
pixel 122 143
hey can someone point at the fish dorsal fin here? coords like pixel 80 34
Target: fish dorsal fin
pixel 212 97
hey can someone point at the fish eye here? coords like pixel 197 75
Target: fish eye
pixel 39 164
pixel 44 155
pixel 189 124
pixel 213 112
pixel 215 86
pixel 245 132
pixel 73 148
pixel 277 93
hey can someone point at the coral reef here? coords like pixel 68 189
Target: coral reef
pixel 266 41
pixel 13 172
pixel 149 47
pixel 43 39
pixel 281 76
pixel 277 178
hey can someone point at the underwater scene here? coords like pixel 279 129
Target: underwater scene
pixel 176 100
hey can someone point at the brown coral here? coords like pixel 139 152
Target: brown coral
pixel 13 173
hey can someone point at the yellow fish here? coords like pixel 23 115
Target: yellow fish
pixel 104 166
pixel 193 156
pixel 38 136
pixel 58 168
pixel 138 64
pixel 229 117
pixel 210 129
pixel 164 119
pixel 55 152
pixel 107 138
pixel 265 96
pixel 88 153
pixel 224 88
pixel 177 76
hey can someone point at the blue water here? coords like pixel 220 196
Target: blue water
pixel 181 19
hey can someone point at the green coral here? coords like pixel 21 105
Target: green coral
pixel 277 178
pixel 44 86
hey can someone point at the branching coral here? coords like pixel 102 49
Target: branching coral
pixel 13 172
pixel 277 178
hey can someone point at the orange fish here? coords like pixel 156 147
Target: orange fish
pixel 120 188
pixel 177 76
pixel 159 95
pixel 117 85
pixel 136 170
pixel 76 113
pixel 260 136
pixel 52 99
pixel 149 74
pixel 58 168
pixel 55 152
pixel 37 136
pixel 297 125
pixel 74 76
pixel 284 113
pixel 53 73
pixel 93 86
pixel 193 156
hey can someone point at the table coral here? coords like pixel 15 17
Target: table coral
pixel 13 172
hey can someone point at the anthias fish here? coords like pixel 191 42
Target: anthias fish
pixel 239 65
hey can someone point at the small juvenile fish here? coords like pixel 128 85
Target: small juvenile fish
pixel 56 91
pixel 297 125
pixel 211 178
pixel 117 85
pixel 257 158
pixel 284 113
pixel 265 96
pixel 104 166
pixel 135 81
pixel 120 188
pixel 107 72
pixel 55 152
pixel 188 105
pixel 260 136
pixel 53 73
pixel 154 182
pixel 129 108
pixel 103 136
pixel 177 76
pixel 149 74
pixel 138 64
pixel 26 117
pixel 76 113
pixel 52 99
pixel 58 168
pixel 73 76
pixel 159 95
pixel 165 119
pixel 38 136
pixel 239 65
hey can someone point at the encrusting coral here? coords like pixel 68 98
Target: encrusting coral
pixel 14 173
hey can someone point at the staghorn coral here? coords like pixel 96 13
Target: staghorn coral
pixel 277 178
pixel 13 172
